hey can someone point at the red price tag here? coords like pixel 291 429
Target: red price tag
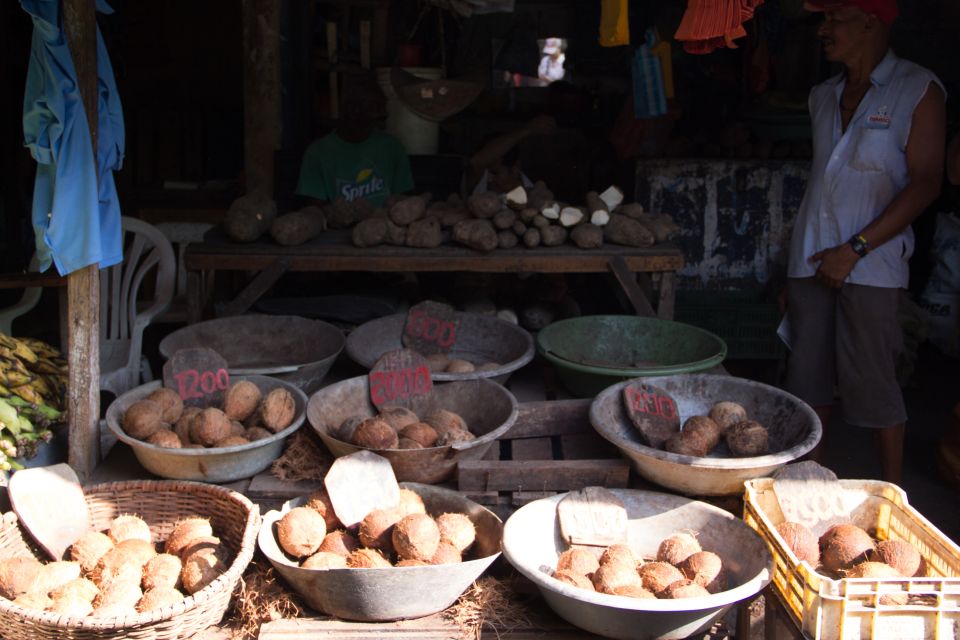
pixel 400 378
pixel 431 327
pixel 199 375
pixel 652 411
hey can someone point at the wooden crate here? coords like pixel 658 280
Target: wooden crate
pixel 551 448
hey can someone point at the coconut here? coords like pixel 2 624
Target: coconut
pixel 165 438
pixel 409 562
pixel 137 551
pixel 114 611
pixel 116 565
pixel 452 436
pixel 457 365
pixel 54 575
pixel 142 419
pixel 300 532
pixel 278 409
pixel 81 588
pixel 186 530
pixel 801 541
pixel 657 576
pixel 339 542
pixel 325 560
pixel 879 571
pixel 488 366
pixel 614 574
pixel 398 417
pixel 410 502
pixel 726 414
pixel 574 579
pixel 209 426
pixel 633 591
pixel 457 529
pixel 678 547
pixel 129 527
pixel 320 502
pixel 237 429
pixel 376 529
pixel 367 559
pixel 71 605
pixel 256 433
pixel 158 598
pixel 421 433
pixel 231 441
pixel 241 400
pixel 577 561
pixel 204 543
pixel 706 427
pixel 843 546
pixel 706 569
pixel 408 443
pixel 124 594
pixel 162 571
pixel 619 553
pixel 446 554
pixel 684 589
pixel 33 600
pixel 747 439
pixel 171 405
pixel 182 426
pixel 688 443
pixel 17 575
pixel 438 362
pixel 416 536
pixel 442 420
pixel 346 430
pixel 899 554
pixel 200 569
pixel 374 433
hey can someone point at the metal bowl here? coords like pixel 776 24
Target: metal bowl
pixel 396 593
pixel 223 464
pixel 793 426
pixel 480 339
pixel 290 348
pixel 532 543
pixel 488 409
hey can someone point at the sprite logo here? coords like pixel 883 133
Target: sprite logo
pixel 365 185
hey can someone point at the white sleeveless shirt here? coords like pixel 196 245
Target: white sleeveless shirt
pixel 856 173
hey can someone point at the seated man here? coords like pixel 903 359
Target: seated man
pixel 496 166
pixel 356 160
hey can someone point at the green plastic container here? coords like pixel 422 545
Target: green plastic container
pixel 591 353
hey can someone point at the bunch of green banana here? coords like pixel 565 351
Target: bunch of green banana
pixel 19 437
pixel 33 371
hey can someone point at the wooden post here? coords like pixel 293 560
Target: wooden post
pixel 261 91
pixel 83 286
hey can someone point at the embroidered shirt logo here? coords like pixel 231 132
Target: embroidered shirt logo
pixel 880 119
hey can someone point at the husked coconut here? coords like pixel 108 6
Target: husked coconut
pixel 374 433
pixel 17 575
pixel 241 400
pixel 688 443
pixel 231 441
pixel 33 600
pixel 137 551
pixel 421 433
pixel 186 530
pixel 578 561
pixel 442 420
pixel 408 443
pixel 71 605
pixel 129 527
pixel 367 559
pixel 325 560
pixel 159 597
pixel 165 438
pixel 398 417
pixel 410 502
pixel 678 547
pixel 209 426
pixel 747 439
pixel 200 569
pixel 657 576
pixel 453 436
pixel 633 591
pixel 162 571
pixel 614 574
pixel 726 414
pixel 117 565
pixel 204 543
pixel 124 594
pixel 376 529
pixel 142 419
pixel 82 588
pixel 409 562
pixel 54 575
pixel 446 554
pixel 574 579
pixel 171 404
pixel 457 365
pixel 256 433
pixel 706 427
pixel 345 430
pixel 438 362
pixel 801 541
pixel 457 529
pixel 339 542
pixel 182 426
pixel 706 569
pixel 843 546
pixel 320 502
pixel 619 553
pixel 300 532
pixel 278 409
pixel 684 589
pixel 113 611
pixel 416 536
pixel 879 571
pixel 899 554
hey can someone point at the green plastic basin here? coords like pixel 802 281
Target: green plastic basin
pixel 591 353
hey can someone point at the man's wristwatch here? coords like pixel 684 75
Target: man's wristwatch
pixel 859 245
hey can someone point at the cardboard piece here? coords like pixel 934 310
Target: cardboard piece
pixel 401 378
pixel 199 375
pixel 51 506
pixel 592 517
pixel 359 483
pixel 810 494
pixel 431 327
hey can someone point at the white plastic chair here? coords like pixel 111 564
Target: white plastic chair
pixel 29 299
pixel 147 257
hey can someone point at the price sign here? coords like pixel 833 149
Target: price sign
pixel 431 327
pixel 652 411
pixel 199 375
pixel 401 378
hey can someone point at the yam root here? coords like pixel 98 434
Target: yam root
pixel 599 210
pixel 612 196
pixel 527 215
pixel 517 198
pixel 587 236
pixel 519 228
pixel 341 214
pixel 571 216
pixel 371 232
pixel 553 235
pixel 507 239
pixel 627 231
pixel 484 205
pixel 539 195
pixel 476 234
pixel 396 235
pixel 452 217
pixel 532 237
pixel 504 219
pixel 408 210
pixel 249 217
pixel 425 233
pixel 298 227
pixel 550 211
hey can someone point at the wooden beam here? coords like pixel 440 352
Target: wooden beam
pixel 628 281
pixel 261 92
pixel 83 286
pixel 540 475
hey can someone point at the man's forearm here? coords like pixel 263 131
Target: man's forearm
pixel 901 212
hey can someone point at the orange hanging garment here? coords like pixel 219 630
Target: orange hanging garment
pixel 708 25
pixel 614 26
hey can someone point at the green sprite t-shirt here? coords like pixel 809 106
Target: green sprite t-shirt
pixel 373 169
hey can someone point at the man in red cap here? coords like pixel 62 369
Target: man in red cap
pixel 878 139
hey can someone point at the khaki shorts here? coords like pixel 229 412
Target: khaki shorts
pixel 846 339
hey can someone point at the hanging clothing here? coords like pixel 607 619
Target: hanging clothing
pixel 708 25
pixel 76 215
pixel 614 23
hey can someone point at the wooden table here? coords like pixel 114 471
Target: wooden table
pixel 332 251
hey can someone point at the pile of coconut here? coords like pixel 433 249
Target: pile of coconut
pixel 118 572
pixel 247 415
pixel 728 421
pixel 847 551
pixel 401 428
pixel 402 536
pixel 681 569
pixel 442 363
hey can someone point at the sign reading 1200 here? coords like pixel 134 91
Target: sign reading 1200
pixel 198 384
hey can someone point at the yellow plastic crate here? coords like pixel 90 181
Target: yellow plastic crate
pixel 848 609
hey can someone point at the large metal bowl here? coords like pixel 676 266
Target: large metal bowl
pixel 290 348
pixel 480 339
pixel 532 543
pixel 488 409
pixel 793 426
pixel 223 464
pixel 398 592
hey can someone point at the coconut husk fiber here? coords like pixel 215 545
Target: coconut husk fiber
pixel 488 604
pixel 305 458
pixel 261 597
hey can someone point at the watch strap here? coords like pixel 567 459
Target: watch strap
pixel 859 245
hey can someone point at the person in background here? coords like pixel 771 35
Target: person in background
pixel 953 160
pixel 356 160
pixel 551 64
pixel 496 165
pixel 878 138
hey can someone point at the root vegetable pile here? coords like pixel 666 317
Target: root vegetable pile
pixel 246 415
pixel 400 428
pixel 119 571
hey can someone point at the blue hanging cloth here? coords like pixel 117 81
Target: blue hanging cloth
pixel 649 94
pixel 76 217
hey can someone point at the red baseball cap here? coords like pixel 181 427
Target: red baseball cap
pixel 886 10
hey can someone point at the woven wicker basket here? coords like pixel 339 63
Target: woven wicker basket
pixel 161 503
